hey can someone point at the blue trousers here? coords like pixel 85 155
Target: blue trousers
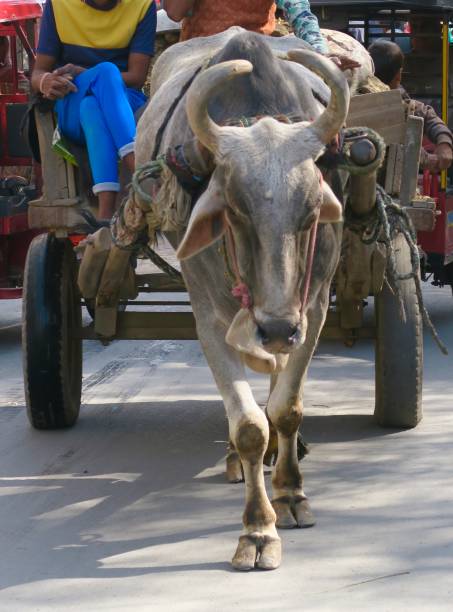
pixel 100 115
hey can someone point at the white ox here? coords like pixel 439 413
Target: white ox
pixel 263 200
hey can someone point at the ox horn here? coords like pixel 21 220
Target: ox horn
pixel 205 85
pixel 329 123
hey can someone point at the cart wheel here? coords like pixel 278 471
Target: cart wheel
pixel 51 338
pixel 399 351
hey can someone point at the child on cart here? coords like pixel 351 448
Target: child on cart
pixel 93 60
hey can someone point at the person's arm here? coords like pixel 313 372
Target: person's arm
pixel 437 132
pixel 304 23
pixel 53 84
pixel 306 27
pixel 178 9
pixel 137 70
pixel 141 50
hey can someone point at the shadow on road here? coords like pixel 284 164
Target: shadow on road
pixel 125 479
pixel 342 428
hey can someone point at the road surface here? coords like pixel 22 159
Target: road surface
pixel 129 510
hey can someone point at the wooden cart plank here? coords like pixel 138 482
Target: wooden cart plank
pixel 383 112
pixel 181 326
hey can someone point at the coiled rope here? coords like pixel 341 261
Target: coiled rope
pixel 386 220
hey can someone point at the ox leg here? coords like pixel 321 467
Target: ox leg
pixel 234 471
pixel 285 412
pixel 259 546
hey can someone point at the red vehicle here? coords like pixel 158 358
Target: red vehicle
pixel 18 33
pixel 437 246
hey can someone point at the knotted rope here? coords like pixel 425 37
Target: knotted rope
pixel 386 220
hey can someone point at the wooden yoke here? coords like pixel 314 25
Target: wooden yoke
pixel 362 267
pixel 385 113
pixel 402 132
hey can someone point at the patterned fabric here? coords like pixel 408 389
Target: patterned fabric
pixel 304 23
pixel 214 16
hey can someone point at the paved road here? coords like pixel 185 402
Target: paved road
pixel 129 510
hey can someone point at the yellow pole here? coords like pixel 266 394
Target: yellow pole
pixel 445 75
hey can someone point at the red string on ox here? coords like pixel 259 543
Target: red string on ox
pixel 311 250
pixel 240 290
pixel 242 293
pixel 308 269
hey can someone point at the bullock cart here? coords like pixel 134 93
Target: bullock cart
pixel 53 331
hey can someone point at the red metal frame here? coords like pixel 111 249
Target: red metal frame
pixel 15 236
pixel 5 100
pixel 16 10
pixel 440 240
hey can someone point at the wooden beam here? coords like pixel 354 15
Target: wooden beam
pixel 150 326
pixel 384 112
pixel 411 159
pixel 181 326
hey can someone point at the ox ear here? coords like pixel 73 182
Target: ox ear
pixel 331 209
pixel 206 225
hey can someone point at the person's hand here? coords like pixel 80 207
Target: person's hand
pixel 344 62
pixel 69 70
pixel 444 154
pixel 430 162
pixel 55 87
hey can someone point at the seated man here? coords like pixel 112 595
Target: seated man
pixel 93 59
pixel 388 61
pixel 207 17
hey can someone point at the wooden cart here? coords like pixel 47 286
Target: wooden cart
pixel 53 331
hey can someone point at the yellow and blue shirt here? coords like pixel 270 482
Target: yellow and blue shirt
pixel 77 32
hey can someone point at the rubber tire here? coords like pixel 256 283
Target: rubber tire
pixel 399 351
pixel 51 338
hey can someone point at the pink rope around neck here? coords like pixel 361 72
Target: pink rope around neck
pixel 310 257
pixel 240 290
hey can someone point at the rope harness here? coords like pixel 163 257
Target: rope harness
pixel 240 289
pixel 385 221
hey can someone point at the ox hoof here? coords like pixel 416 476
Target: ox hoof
pixel 234 472
pixel 256 551
pixel 293 512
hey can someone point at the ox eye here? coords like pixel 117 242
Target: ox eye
pixel 235 214
pixel 307 222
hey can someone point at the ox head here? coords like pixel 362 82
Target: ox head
pixel 267 189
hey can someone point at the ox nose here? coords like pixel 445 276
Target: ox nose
pixel 278 334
